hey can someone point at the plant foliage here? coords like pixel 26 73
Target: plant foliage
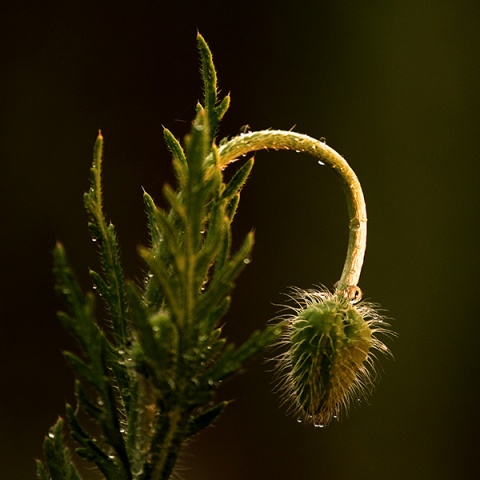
pixel 147 379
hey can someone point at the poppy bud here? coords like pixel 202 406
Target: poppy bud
pixel 329 357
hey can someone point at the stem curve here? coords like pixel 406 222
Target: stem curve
pixel 285 140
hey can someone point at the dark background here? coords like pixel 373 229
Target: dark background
pixel 393 86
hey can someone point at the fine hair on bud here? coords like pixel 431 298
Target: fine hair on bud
pixel 329 354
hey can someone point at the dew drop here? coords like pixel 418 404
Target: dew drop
pixel 323 139
pixel 354 224
pixel 321 163
pixel 51 435
pixel 94 239
pixel 319 425
pixel 299 420
pixel 297 151
pixel 246 261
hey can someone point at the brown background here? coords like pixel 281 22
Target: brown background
pixel 394 86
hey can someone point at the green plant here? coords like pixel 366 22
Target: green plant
pixel 148 378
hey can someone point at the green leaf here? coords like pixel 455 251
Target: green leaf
pixel 155 234
pixel 157 338
pixel 209 76
pixel 222 108
pixel 238 180
pixel 231 361
pixel 84 371
pixel 106 239
pixel 93 452
pixel 99 285
pixel 170 285
pixel 197 148
pixel 215 111
pixel 198 423
pixel 58 463
pixel 67 285
pixel 223 279
pixel 179 160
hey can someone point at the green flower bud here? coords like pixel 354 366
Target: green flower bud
pixel 329 359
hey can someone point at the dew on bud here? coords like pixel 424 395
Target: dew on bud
pixel 328 360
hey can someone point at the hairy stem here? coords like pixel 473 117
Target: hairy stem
pixel 283 140
pixel 169 449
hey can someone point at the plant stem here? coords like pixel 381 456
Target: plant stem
pixel 284 140
pixel 169 450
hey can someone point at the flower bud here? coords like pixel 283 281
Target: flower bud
pixel 329 359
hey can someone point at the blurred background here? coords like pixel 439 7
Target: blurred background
pixel 393 86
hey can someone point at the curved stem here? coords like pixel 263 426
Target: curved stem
pixel 283 140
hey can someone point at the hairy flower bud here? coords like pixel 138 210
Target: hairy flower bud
pixel 329 359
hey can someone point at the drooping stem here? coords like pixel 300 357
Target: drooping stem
pixel 283 140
